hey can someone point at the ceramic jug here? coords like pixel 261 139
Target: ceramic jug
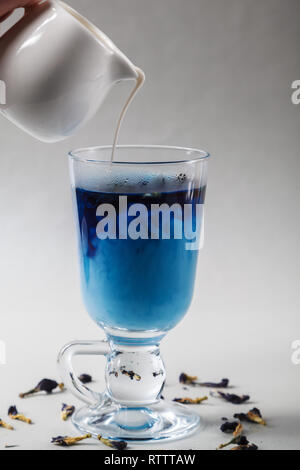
pixel 55 70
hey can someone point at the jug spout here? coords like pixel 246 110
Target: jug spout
pixel 123 69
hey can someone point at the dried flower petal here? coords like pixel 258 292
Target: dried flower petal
pixel 229 427
pixel 223 384
pixel 242 441
pixel 192 380
pixel 187 379
pixel 115 373
pixel 235 399
pixel 3 424
pixel 67 411
pixel 253 416
pixel 157 374
pixel 65 441
pixel 190 401
pixel 14 414
pixel 131 374
pixel 85 378
pixel 119 445
pixel 45 385
pixel 238 430
pixel 238 438
pixel 245 447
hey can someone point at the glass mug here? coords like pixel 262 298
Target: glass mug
pixel 139 222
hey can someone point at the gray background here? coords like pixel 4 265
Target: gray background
pixel 219 76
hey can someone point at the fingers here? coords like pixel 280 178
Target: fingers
pixel 3 18
pixel 8 6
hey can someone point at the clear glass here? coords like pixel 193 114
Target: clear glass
pixel 139 222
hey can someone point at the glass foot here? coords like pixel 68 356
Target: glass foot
pixel 160 421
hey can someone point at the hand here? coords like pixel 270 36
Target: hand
pixel 8 6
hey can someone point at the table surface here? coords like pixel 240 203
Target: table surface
pixel 267 375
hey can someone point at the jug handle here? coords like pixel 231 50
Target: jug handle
pixel 70 378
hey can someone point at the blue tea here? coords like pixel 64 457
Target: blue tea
pixel 136 284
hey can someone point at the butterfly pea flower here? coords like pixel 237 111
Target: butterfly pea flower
pixel 245 447
pixel 253 416
pixel 119 445
pixel 132 375
pixel 235 399
pixel 3 424
pixel 157 374
pixel 45 385
pixel 187 379
pixel 14 414
pixel 85 378
pixel 67 411
pixel 190 401
pixel 237 438
pixel 66 441
pixel 229 427
pixel 192 380
pixel 222 384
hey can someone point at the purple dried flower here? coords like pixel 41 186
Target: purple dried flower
pixel 45 385
pixel 65 441
pixel 85 378
pixel 14 414
pixel 229 427
pixel 119 445
pixel 67 411
pixel 192 380
pixel 235 399
pixel 253 416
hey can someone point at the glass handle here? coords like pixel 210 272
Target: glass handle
pixel 70 378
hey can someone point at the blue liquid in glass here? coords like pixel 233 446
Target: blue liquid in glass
pixel 138 285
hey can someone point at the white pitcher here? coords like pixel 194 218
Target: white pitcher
pixel 55 70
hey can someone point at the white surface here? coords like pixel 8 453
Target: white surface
pixel 230 93
pixel 272 383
